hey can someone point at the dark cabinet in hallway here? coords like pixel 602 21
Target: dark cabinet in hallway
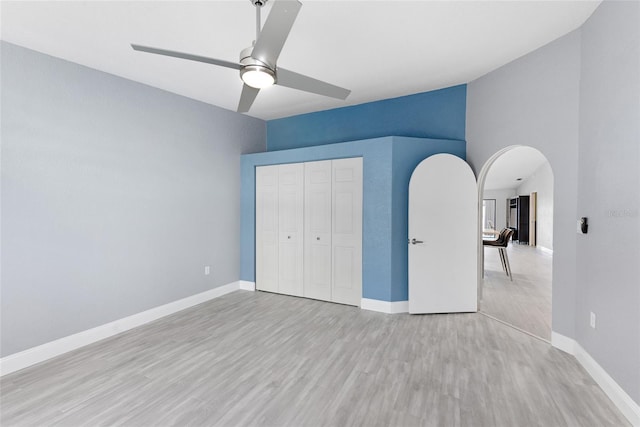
pixel 519 218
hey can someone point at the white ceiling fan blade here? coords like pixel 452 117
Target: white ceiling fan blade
pixel 275 31
pixel 188 56
pixel 308 84
pixel 246 98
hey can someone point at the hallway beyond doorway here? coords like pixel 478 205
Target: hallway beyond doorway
pixel 526 302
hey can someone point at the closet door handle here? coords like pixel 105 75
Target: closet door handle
pixel 317 238
pixel 288 237
pixel 415 242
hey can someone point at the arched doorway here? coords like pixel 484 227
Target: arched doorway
pixel 516 186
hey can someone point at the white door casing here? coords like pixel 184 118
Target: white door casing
pixel 443 212
pixel 533 218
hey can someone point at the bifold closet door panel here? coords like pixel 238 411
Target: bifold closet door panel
pixel 347 231
pixel 267 237
pixel 317 230
pixel 290 226
pixel 309 229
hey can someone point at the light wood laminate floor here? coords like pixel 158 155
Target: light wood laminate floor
pixel 524 302
pixel 252 358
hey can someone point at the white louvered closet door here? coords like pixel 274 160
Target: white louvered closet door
pixel 267 237
pixel 347 231
pixel 290 225
pixel 317 230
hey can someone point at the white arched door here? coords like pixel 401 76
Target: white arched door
pixel 443 236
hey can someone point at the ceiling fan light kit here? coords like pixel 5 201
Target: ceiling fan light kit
pixel 258 69
pixel 257 76
pixel 255 73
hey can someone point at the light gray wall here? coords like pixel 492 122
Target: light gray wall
pixel 534 101
pixel 541 181
pixel 576 100
pixel 501 197
pixel 115 195
pixel 609 192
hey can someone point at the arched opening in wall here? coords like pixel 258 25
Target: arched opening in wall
pixel 515 196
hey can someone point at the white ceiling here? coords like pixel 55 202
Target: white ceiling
pixel 378 49
pixel 519 162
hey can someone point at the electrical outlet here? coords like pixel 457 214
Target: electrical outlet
pixel 592 320
pixel 207 270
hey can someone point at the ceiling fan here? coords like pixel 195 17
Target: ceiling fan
pixel 258 63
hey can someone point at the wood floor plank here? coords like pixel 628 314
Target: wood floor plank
pixel 253 359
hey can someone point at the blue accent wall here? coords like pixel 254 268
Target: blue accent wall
pixel 438 114
pixel 387 166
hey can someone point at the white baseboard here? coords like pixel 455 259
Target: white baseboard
pixel 31 356
pixel 563 343
pixel 629 408
pixel 620 398
pixel 389 307
pixel 545 250
pixel 247 286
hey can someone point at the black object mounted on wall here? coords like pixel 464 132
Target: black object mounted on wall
pixel 583 225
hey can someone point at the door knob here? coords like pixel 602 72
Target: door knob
pixel 415 242
pixel 288 237
pixel 317 238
